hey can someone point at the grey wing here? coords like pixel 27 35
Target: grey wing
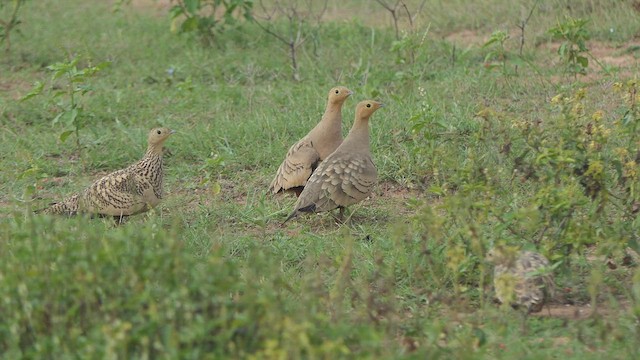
pixel 339 181
pixel 359 177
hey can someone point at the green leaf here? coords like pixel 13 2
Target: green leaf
pixel 490 55
pixel 30 172
pixel 191 24
pixel 437 190
pixel 65 135
pixel 83 88
pixel 73 115
pixel 36 90
pixel 57 118
pixel 583 61
pixel 29 190
pixel 562 50
pixel 216 188
pixel 101 66
pixel 176 11
pixel 62 68
pixel 192 5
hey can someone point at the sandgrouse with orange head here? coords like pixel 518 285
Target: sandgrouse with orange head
pixel 305 155
pixel 348 175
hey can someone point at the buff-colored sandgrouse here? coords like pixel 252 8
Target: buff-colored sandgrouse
pixel 125 192
pixel 345 177
pixel 522 279
pixel 305 155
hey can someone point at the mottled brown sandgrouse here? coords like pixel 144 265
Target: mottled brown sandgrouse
pixel 305 155
pixel 125 192
pixel 522 279
pixel 347 175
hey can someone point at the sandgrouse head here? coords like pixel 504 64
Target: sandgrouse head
pixel 339 94
pixel 157 136
pixel 502 255
pixel 364 109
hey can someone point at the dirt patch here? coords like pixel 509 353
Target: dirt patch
pixel 390 189
pixel 336 11
pixel 566 311
pixel 602 57
pixel 467 38
pixel 578 312
pixel 157 7
pixel 15 88
pixel 620 56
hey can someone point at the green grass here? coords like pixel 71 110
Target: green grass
pixel 467 157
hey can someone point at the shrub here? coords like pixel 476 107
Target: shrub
pixel 207 18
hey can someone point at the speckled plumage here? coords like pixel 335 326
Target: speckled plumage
pixel 125 192
pixel 521 278
pixel 348 175
pixel 304 156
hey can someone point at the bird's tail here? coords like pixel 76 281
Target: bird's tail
pixel 68 207
pixel 297 211
pixel 293 214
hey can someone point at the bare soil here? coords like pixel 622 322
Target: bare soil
pixel 578 312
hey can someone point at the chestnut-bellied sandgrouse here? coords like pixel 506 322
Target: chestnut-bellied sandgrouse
pixel 522 279
pixel 124 192
pixel 305 155
pixel 347 175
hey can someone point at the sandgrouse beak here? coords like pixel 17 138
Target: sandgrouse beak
pixel 172 131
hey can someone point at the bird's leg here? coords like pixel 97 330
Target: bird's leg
pixel 523 328
pixel 121 219
pixel 338 217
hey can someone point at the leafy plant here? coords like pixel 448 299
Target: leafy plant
pixel 497 55
pixel 208 17
pixel 407 46
pixel 212 168
pixel 630 93
pixel 72 114
pixel 628 156
pixel 32 176
pixel 118 5
pixel 9 24
pixel 573 51
pixel 570 160
pixel 407 42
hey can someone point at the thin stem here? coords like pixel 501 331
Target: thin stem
pixel 522 27
pixel 394 15
pixel 8 26
pixel 296 32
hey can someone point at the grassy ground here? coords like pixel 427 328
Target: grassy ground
pixel 473 148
